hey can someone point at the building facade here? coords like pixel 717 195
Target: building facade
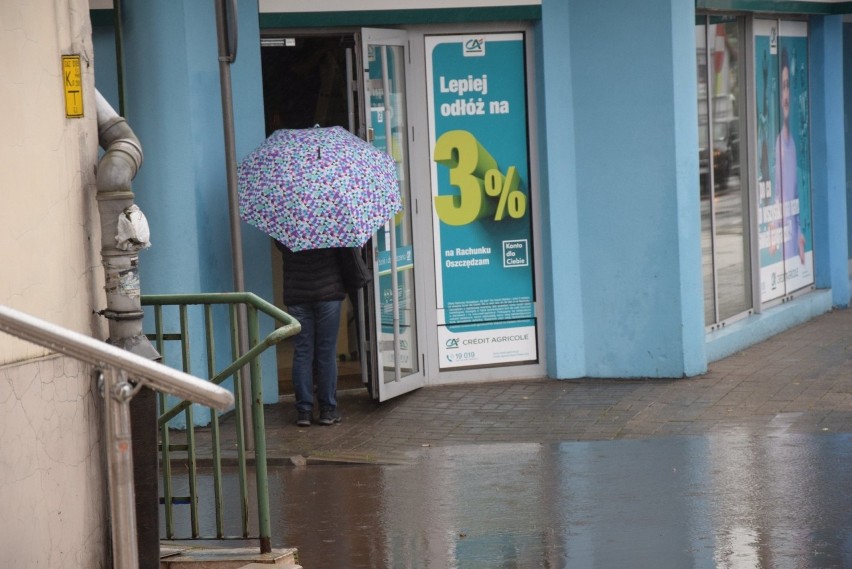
pixel 651 187
pixel 646 254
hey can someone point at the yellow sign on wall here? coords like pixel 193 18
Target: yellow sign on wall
pixel 72 79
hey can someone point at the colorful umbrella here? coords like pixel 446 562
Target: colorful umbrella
pixel 318 187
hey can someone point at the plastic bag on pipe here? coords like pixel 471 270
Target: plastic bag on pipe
pixel 132 233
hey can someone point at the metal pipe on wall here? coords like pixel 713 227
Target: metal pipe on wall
pixel 226 28
pixel 116 169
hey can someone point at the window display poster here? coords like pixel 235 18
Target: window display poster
pixel 785 234
pixel 476 89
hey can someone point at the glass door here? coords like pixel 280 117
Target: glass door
pixel 397 357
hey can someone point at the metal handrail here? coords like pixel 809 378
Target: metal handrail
pixel 115 366
pixel 100 354
pixel 291 327
pixel 251 359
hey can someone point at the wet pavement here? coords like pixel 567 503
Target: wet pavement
pixel 732 500
pixel 799 381
pixel 749 465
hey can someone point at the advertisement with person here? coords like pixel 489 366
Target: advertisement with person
pixel 481 205
pixel 785 234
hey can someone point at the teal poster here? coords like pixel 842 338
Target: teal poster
pixel 477 101
pixel 785 234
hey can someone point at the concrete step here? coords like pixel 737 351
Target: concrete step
pixel 179 557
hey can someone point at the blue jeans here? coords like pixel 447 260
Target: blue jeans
pixel 315 347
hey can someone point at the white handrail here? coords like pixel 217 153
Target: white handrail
pixel 97 353
pixel 117 367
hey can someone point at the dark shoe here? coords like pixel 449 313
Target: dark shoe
pixel 329 417
pixel 304 419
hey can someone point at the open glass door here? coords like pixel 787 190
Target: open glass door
pixel 397 358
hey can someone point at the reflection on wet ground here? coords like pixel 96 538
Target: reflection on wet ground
pixel 722 500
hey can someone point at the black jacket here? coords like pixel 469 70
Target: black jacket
pixel 312 275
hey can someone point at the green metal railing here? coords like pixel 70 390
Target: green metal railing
pixel 187 444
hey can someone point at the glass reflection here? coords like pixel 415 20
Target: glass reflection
pixel 726 266
pixel 707 270
pixel 387 110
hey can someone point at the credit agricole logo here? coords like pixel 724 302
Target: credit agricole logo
pixel 474 47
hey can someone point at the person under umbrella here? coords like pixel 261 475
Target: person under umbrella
pixel 321 193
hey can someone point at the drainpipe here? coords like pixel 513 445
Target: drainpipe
pixel 124 232
pixel 116 169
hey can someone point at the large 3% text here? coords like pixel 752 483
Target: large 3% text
pixel 483 190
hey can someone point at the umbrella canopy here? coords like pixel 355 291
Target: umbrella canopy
pixel 318 187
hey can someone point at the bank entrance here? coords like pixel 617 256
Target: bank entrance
pixel 456 291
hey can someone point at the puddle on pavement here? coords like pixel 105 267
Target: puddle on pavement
pixel 733 500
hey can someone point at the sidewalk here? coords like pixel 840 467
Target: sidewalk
pixel 798 381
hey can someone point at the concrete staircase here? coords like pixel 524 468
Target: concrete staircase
pixel 183 557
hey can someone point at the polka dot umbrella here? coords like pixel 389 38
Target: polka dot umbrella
pixel 318 187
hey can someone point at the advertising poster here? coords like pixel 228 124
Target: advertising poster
pixel 481 204
pixel 785 234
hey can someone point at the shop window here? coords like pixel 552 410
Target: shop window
pixel 723 166
pixel 770 244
